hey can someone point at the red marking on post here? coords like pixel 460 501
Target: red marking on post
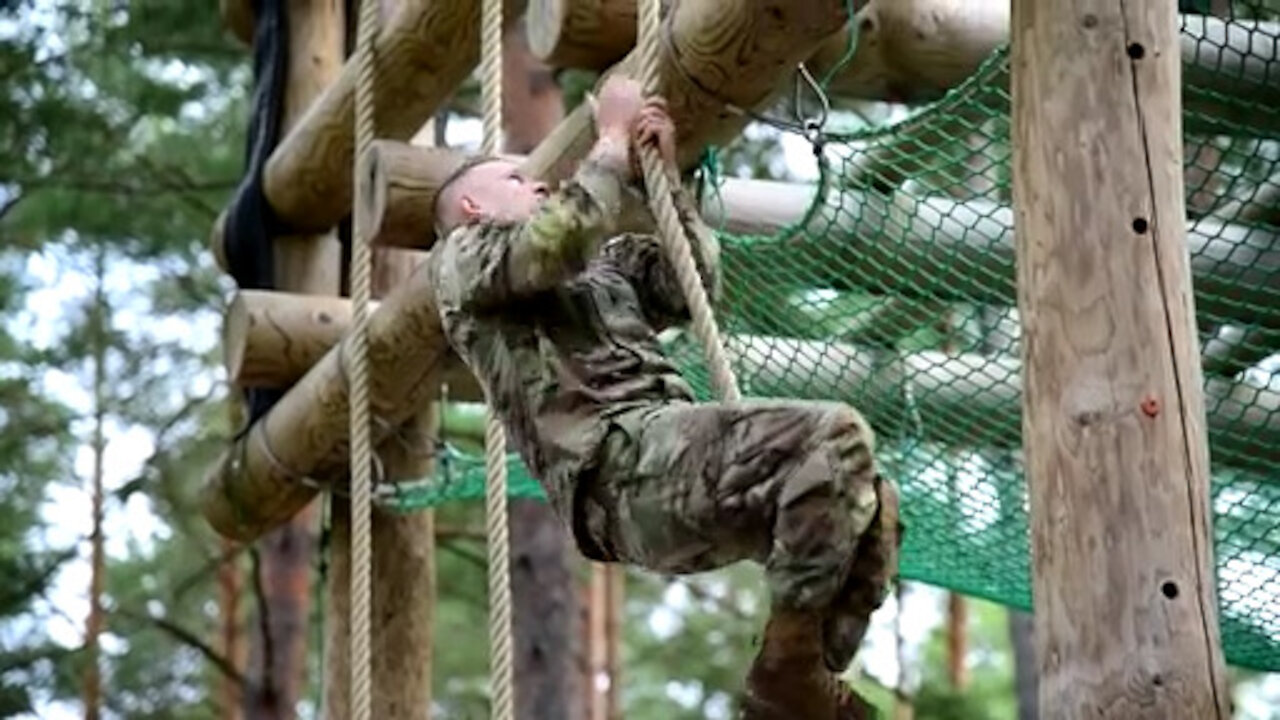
pixel 1151 406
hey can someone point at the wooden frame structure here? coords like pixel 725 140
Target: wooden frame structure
pixel 742 52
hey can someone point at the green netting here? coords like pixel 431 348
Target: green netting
pixel 897 294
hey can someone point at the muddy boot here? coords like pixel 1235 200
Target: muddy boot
pixel 788 680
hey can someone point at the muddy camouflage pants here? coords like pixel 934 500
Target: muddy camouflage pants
pixel 686 487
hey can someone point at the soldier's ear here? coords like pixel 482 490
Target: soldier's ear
pixel 470 208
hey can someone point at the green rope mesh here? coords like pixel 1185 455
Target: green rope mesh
pixel 896 293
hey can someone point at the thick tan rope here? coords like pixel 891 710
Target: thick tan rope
pixel 670 230
pixel 361 450
pixel 501 674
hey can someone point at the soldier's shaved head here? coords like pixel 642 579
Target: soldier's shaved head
pixel 487 188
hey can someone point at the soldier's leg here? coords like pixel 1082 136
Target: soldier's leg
pixel 875 565
pixel 692 487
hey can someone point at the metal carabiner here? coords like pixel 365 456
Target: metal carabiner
pixel 812 126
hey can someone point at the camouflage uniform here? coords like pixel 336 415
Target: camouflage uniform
pixel 561 327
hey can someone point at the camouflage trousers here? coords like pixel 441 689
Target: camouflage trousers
pixel 684 487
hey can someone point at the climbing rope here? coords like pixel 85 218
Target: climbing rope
pixel 501 678
pixel 361 450
pixel 670 230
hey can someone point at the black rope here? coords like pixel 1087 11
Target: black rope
pixel 251 224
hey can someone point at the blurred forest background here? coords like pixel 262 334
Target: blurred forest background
pixel 122 131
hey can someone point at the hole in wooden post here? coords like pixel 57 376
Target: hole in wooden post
pixel 1136 51
pixel 1140 225
pixel 1158 680
pixel 1090 21
pixel 1169 589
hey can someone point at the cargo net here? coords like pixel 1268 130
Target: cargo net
pixel 894 290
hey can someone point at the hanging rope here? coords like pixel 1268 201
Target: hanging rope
pixel 361 450
pixel 501 680
pixel 670 230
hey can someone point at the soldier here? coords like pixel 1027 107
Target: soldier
pixel 557 313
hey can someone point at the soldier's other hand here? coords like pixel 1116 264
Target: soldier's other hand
pixel 654 128
pixel 617 106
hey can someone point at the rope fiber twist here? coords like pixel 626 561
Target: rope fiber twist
pixel 501 678
pixel 670 230
pixel 361 449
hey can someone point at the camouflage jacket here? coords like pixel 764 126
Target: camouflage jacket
pixel 558 318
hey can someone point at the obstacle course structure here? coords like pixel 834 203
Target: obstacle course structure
pixel 889 281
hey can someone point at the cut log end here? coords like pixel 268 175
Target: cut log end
pixel 586 34
pixel 402 182
pixel 235 333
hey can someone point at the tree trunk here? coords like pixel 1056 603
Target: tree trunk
pixel 545 612
pixel 99 314
pixel 1025 683
pixel 1126 608
pixel 282 579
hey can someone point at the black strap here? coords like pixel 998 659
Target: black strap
pixel 251 224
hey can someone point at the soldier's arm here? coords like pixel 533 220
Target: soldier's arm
pixel 487 266
pixel 644 260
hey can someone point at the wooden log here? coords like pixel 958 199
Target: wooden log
pixel 266 476
pixel 970 399
pixel 939 248
pixel 307 265
pixel 1114 409
pixel 935 248
pixel 581 33
pixel 271 339
pixel 914 51
pixel 403 182
pixel 966 399
pixel 739 51
pixel 403 572
pixel 424 51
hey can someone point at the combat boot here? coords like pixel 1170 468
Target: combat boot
pixel 789 680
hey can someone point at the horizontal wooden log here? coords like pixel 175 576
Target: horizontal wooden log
pixel 581 33
pixel 264 478
pixel 971 400
pixel 931 248
pixel 739 51
pixel 271 339
pixel 425 50
pixel 934 247
pixel 914 51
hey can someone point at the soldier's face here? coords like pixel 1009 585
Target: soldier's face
pixel 499 191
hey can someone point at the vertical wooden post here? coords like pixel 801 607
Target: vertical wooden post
pixel 304 264
pixel 1114 421
pixel 403 566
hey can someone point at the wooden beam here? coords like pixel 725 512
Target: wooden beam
pixel 272 339
pixel 267 475
pixel 737 51
pixel 581 33
pixel 971 399
pixel 934 247
pixel 914 51
pixel 427 48
pixel 1114 410
pixel 1234 265
pixel 965 399
pixel 403 572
